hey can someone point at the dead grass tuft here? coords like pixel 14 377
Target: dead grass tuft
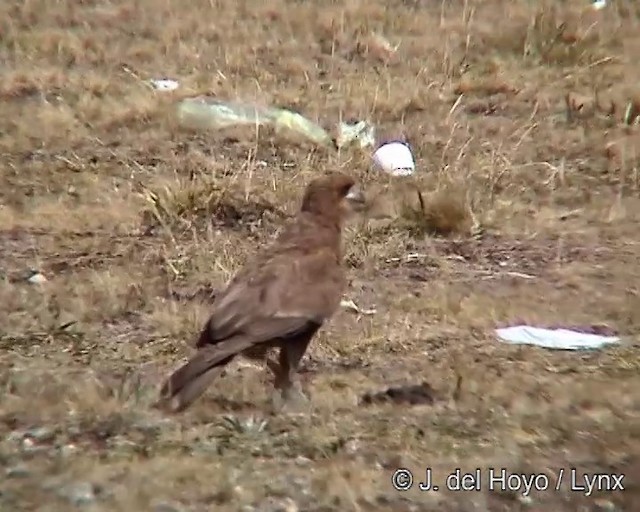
pixel 408 205
pixel 200 202
pixel 442 212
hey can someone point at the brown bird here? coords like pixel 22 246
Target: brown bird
pixel 279 300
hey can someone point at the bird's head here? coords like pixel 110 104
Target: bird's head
pixel 332 195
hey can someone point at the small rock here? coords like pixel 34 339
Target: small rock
pixel 302 461
pixel 303 485
pixel 352 446
pixel 68 449
pixel 40 434
pixel 30 446
pixel 527 501
pixel 79 494
pixel 19 471
pixel 166 507
pixel 277 505
pixel 16 435
pixel 603 505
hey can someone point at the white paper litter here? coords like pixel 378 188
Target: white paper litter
pixel 558 339
pixel 599 4
pixel 37 278
pixel 164 84
pixel 352 306
pixel 395 158
pixel 358 131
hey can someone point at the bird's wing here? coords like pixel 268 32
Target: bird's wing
pixel 288 294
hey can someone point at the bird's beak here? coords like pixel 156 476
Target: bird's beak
pixel 355 195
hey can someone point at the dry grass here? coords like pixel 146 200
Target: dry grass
pixel 523 118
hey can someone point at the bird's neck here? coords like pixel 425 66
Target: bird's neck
pixel 328 229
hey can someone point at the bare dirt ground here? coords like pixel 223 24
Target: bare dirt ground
pixel 522 118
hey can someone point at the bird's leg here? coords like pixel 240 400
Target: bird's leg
pixel 286 378
pixel 261 353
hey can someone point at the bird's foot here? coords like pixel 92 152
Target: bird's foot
pixel 290 400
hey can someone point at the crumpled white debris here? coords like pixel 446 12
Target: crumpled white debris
pixel 349 305
pixel 395 158
pixel 36 277
pixel 361 132
pixel 164 84
pixel 558 339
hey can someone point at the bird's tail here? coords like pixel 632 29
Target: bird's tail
pixel 191 380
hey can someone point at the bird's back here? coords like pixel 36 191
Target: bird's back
pixel 297 278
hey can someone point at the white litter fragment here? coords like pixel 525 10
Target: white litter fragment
pixel 352 306
pixel 246 363
pixel 599 4
pixel 558 339
pixel 164 84
pixel 358 131
pixel 408 258
pixel 520 275
pixel 414 256
pixel 395 158
pixel 381 46
pixel 37 278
